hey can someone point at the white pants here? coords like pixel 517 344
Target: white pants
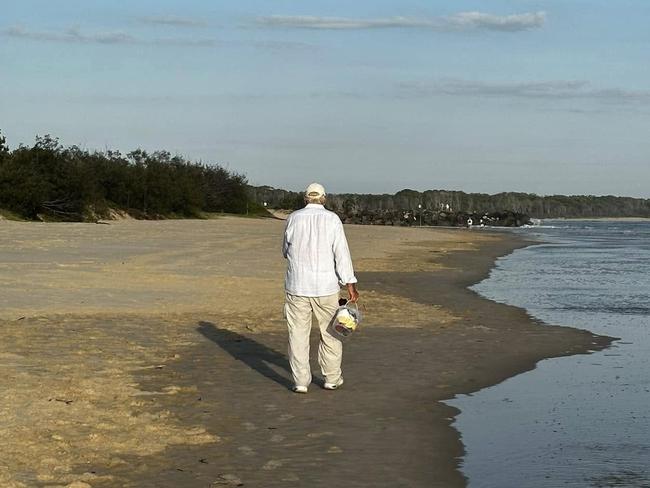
pixel 298 312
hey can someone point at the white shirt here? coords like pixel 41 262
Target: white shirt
pixel 317 252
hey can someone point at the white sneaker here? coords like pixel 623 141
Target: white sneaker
pixel 299 389
pixel 333 386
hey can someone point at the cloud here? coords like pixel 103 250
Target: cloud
pixel 551 90
pixel 72 34
pixel 511 23
pixel 173 21
pixel 76 36
pixel 460 21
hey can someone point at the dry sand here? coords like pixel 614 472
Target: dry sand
pixel 152 354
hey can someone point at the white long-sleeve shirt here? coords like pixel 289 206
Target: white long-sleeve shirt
pixel 317 253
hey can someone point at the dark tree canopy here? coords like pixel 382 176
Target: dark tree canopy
pixel 70 183
pixel 448 207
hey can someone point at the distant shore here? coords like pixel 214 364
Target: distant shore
pixel 606 219
pixel 172 344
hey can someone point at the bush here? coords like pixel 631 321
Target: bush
pixel 74 184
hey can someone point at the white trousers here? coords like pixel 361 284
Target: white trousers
pixel 298 312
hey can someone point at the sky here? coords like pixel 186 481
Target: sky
pixel 543 96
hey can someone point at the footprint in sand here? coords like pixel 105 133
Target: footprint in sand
pixel 246 450
pixel 316 435
pixel 249 426
pixel 227 480
pixel 272 464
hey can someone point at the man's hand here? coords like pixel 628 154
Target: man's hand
pixel 353 294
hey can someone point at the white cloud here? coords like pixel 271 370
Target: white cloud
pixel 557 89
pixel 514 22
pixel 460 21
pixel 173 21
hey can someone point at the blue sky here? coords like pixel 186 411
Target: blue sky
pixel 537 96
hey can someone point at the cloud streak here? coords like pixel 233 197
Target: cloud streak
pixel 462 21
pixel 74 35
pixel 174 21
pixel 548 90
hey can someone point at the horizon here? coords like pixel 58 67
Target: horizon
pixel 461 191
pixel 300 190
pixel 530 96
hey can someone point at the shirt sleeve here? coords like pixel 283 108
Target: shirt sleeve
pixel 285 240
pixel 342 258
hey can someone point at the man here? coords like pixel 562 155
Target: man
pixel 318 263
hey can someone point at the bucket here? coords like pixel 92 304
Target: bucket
pixel 346 320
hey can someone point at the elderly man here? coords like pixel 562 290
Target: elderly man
pixel 318 263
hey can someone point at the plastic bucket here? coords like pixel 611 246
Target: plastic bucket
pixel 346 321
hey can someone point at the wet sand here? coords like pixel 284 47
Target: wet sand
pixel 154 354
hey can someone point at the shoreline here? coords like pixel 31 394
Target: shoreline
pixel 600 219
pixel 388 426
pixel 502 340
pixel 200 397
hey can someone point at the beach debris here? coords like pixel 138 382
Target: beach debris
pixel 62 400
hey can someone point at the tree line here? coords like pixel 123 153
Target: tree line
pixel 52 182
pixel 436 202
pixel 49 181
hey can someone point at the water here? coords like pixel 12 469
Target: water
pixel 579 421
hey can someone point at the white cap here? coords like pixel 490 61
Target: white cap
pixel 315 190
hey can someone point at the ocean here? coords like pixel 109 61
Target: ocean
pixel 583 420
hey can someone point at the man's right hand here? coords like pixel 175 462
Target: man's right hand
pixel 353 294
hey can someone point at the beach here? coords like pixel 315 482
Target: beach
pixel 154 354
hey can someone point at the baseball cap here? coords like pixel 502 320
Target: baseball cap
pixel 315 190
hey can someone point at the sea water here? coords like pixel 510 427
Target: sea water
pixel 578 421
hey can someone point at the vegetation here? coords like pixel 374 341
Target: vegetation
pixel 454 207
pixel 49 181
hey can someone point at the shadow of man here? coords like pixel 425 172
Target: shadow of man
pixel 255 355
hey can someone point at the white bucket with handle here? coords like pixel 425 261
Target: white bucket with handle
pixel 346 320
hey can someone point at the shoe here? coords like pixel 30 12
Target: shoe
pixel 333 386
pixel 299 389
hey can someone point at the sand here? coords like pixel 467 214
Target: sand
pixel 153 354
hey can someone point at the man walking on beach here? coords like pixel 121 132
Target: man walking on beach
pixel 318 263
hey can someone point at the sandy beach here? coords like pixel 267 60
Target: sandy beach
pixel 153 354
